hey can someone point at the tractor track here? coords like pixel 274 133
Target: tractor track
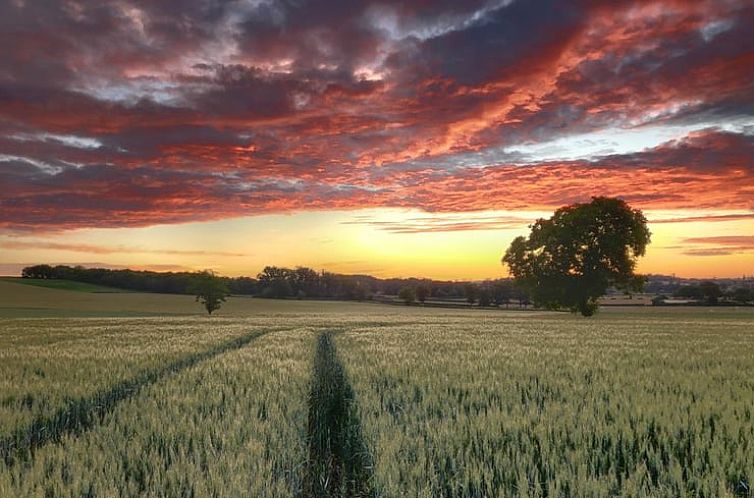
pixel 81 414
pixel 339 463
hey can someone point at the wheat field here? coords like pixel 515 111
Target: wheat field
pixel 323 399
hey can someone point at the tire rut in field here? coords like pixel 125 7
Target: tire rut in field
pixel 81 414
pixel 339 463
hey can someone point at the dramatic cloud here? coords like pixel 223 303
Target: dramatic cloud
pixel 133 113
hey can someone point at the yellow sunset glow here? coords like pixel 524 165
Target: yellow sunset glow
pixel 380 242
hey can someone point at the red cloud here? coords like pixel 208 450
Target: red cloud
pixel 682 174
pixel 224 112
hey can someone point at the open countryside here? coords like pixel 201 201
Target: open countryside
pixel 377 249
pixel 133 394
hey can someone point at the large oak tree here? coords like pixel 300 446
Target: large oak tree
pixel 571 259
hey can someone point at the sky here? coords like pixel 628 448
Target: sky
pixel 395 138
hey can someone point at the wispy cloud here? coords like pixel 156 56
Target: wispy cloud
pixel 706 218
pixel 723 245
pixel 96 249
pixel 443 223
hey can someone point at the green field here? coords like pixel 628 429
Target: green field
pixel 142 395
pixel 61 284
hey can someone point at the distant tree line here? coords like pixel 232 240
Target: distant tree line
pixel 496 293
pixel 302 282
pixel 306 283
pixel 145 281
pixel 294 283
pixel 711 293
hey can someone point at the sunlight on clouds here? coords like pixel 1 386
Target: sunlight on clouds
pixel 618 140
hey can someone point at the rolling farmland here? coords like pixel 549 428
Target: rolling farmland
pixel 376 249
pixel 297 399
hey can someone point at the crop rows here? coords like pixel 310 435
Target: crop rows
pixel 557 407
pixel 231 426
pixel 80 414
pixel 418 404
pixel 47 367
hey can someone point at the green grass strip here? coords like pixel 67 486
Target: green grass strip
pixel 339 463
pixel 60 284
pixel 80 414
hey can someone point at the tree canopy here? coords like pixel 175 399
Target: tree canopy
pixel 471 292
pixel 210 290
pixel 422 292
pixel 571 259
pixel 407 295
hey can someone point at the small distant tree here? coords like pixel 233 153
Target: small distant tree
pixel 502 292
pixel 422 292
pixel 243 285
pixel 711 292
pixel 210 290
pixel 407 295
pixel 38 271
pixel 689 292
pixel 304 282
pixel 485 296
pixel 522 296
pixel 471 291
pixel 570 260
pixel 706 292
pixel 275 282
pixel 361 292
pixel 742 295
pixel 350 289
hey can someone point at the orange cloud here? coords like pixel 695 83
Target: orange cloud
pixel 120 116
pixel 721 245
